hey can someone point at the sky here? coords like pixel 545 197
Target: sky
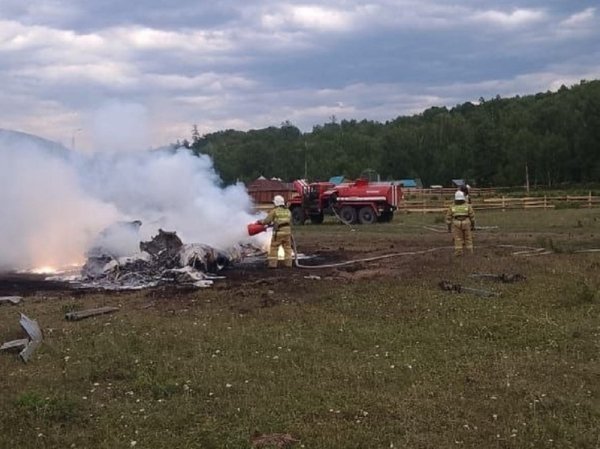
pixel 158 67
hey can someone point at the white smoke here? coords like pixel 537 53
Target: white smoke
pixel 119 126
pixel 56 203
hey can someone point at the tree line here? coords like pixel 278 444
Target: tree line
pixel 549 138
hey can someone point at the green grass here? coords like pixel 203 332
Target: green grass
pixel 387 361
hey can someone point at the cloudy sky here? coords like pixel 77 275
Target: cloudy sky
pixel 246 64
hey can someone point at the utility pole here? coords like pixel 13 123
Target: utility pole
pixel 305 160
pixel 73 138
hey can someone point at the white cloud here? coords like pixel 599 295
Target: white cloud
pixel 516 18
pixel 101 73
pixel 583 18
pixel 310 17
pixel 145 38
pixel 530 83
pixel 15 36
pixel 579 25
pixel 261 62
pixel 205 82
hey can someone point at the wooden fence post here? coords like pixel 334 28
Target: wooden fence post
pixel 545 204
pixel 503 210
pixel 590 199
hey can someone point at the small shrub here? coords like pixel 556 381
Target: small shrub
pixel 580 293
pixel 31 402
pixel 164 390
pixel 71 307
pixel 586 294
pixel 54 409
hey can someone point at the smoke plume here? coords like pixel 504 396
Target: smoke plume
pixel 56 203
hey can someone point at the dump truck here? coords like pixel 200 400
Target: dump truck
pixel 360 201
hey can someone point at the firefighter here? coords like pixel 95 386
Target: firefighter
pixel 460 219
pixel 280 218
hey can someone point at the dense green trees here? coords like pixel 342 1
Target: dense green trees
pixel 555 135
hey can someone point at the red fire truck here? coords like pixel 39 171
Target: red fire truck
pixel 360 201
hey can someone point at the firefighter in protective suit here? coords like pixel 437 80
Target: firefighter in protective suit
pixel 280 218
pixel 460 219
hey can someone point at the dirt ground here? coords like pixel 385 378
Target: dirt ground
pixel 350 353
pixel 423 255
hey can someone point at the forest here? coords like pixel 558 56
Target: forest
pixel 551 138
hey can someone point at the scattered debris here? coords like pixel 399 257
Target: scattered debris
pixel 80 315
pixel 527 251
pixel 485 228
pixel 504 277
pixel 277 440
pixel 438 229
pixel 448 286
pixel 165 245
pixel 15 344
pixel 26 345
pixel 164 259
pixel 313 277
pixel 203 284
pixel 10 299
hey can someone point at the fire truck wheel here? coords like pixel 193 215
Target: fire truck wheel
pixel 386 217
pixel 348 214
pixel 366 215
pixel 298 216
pixel 317 218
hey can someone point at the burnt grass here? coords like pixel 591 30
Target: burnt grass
pixel 368 355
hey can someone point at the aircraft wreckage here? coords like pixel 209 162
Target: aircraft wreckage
pixel 165 259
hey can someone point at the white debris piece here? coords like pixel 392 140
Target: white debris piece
pixel 10 299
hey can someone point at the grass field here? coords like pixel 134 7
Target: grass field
pixel 373 355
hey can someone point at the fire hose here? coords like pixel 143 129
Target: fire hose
pixel 522 251
pixel 363 259
pixel 257 228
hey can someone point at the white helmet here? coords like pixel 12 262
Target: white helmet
pixel 278 200
pixel 459 196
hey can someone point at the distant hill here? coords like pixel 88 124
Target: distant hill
pixel 9 138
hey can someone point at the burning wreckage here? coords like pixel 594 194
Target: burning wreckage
pixel 163 260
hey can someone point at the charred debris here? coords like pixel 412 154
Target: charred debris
pixel 164 259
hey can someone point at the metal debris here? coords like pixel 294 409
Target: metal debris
pixel 80 315
pixel 10 299
pixel 162 260
pixel 27 346
pixel 313 277
pixel 14 344
pixel 448 286
pixel 31 327
pixel 504 277
pixel 164 245
pixel 35 337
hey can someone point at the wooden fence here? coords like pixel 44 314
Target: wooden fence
pixel 424 202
